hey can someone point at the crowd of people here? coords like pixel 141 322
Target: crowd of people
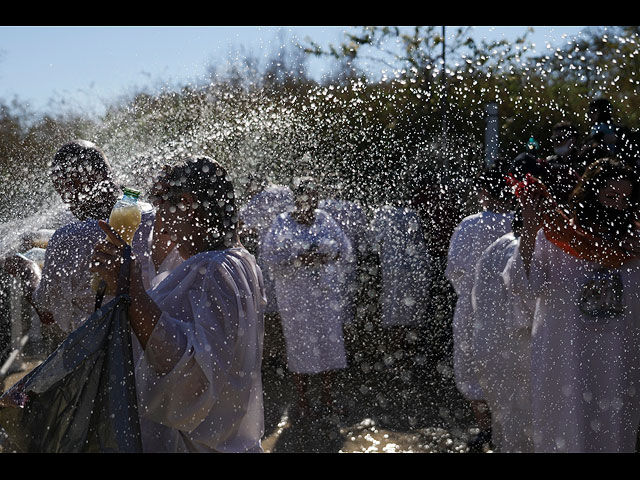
pixel 541 283
pixel 546 329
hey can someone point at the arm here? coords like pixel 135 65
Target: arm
pixel 29 274
pixel 278 248
pixel 106 260
pixel 532 208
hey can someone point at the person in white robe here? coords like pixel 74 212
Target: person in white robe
pixel 199 328
pixel 585 352
pixel 266 202
pixel 502 349
pixel 61 291
pixel 469 240
pixel 396 234
pixel 302 249
pixel 351 218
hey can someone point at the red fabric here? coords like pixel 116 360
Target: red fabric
pixel 566 235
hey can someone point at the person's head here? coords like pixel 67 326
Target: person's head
pixel 524 163
pixel 81 175
pixel 306 196
pixel 195 203
pixel 600 110
pixel 606 196
pixel 492 188
pixel 564 138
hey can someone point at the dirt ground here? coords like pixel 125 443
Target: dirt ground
pixel 388 405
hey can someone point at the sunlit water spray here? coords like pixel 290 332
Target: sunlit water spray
pixel 316 133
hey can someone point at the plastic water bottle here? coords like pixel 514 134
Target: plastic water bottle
pixel 125 219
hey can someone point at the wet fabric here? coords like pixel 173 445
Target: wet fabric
pixel 502 349
pixel 82 398
pixel 585 375
pixel 470 238
pixel 352 220
pixel 258 215
pixel 310 298
pixel 199 378
pixel 405 264
pixel 65 285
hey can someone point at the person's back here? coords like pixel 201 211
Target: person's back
pixel 502 349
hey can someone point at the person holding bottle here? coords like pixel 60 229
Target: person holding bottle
pixel 61 292
pixel 198 330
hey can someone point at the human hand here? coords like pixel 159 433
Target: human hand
pixel 108 256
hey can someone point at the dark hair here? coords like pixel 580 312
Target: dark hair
pixel 523 164
pixel 566 129
pixel 492 179
pixel 209 183
pixel 80 154
pixel 585 195
pixel 603 107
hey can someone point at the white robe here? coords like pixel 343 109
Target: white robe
pixel 396 234
pixel 470 238
pixel 65 284
pixel 199 379
pixel 310 299
pixel 258 214
pixel 351 218
pixel 585 369
pixel 502 349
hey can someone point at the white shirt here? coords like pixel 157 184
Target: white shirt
pixel 258 215
pixel 310 298
pixel 353 222
pixel 200 375
pixel 502 349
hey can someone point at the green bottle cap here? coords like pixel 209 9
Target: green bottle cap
pixel 130 192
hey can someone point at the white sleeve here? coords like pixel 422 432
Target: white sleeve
pixel 336 244
pixel 518 283
pixel 458 265
pixel 485 289
pixel 56 292
pixel 188 361
pixel 278 249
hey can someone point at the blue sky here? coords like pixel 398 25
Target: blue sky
pixel 86 67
